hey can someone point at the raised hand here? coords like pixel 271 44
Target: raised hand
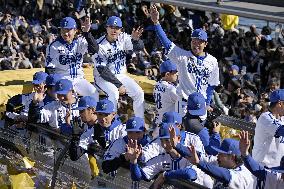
pixel 173 138
pixel 154 13
pixel 133 151
pixel 86 24
pixel 136 33
pixel 194 159
pixel 38 97
pixel 244 143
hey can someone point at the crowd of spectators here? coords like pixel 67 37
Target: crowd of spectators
pixel 251 63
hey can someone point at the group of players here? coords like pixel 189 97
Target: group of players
pixel 179 146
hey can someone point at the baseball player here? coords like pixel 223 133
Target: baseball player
pixel 110 65
pixel 230 172
pixel 165 94
pixel 167 165
pixel 115 155
pixel 268 146
pixel 64 56
pixel 154 148
pixel 266 178
pixel 198 70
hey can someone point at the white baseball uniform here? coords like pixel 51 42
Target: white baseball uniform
pixel 165 96
pixel 195 74
pixel 272 180
pixel 154 148
pixel 67 59
pixel 268 149
pixel 241 178
pixel 164 162
pixel 113 56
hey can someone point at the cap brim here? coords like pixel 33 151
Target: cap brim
pixel 199 112
pixel 134 130
pixel 104 112
pixel 219 150
pixel 62 92
pixel 37 82
pixel 80 108
pixel 278 169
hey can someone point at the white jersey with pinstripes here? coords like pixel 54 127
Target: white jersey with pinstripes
pixel 195 74
pixel 67 58
pixel 113 55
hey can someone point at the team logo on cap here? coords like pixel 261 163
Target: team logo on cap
pixel 65 23
pixel 134 123
pixel 164 118
pixel 60 86
pixel 115 22
pixel 198 105
pixel 104 106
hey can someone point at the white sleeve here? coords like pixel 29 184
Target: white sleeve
pixel 86 138
pixel 173 94
pixel 83 45
pixel 48 115
pixel 151 150
pixel 195 141
pixel 51 56
pixel 115 149
pixel 153 167
pixel 176 54
pixel 270 123
pixel 241 178
pixel 128 46
pixel 214 77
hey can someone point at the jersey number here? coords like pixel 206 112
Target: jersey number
pixel 157 97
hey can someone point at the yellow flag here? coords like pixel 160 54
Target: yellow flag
pixel 94 166
pixel 28 163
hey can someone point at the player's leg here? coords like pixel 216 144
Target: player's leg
pixel 109 89
pixel 135 92
pixel 85 88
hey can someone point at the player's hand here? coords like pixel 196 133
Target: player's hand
pixel 209 108
pixel 40 88
pixel 86 24
pixel 173 138
pixel 122 90
pixel 38 97
pixel 154 13
pixel 244 143
pixel 216 127
pixel 133 151
pixel 136 33
pixel 68 116
pixel 194 159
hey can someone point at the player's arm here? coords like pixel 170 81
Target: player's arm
pixel 93 46
pixel 185 173
pixel 255 168
pixel 107 75
pixel 89 43
pixel 75 150
pixel 51 59
pixel 209 93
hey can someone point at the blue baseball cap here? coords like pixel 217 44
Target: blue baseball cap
pixel 105 106
pixel 280 168
pixel 229 146
pixel 199 34
pixel 68 23
pixel 39 77
pixel 277 95
pixel 164 130
pixel 167 66
pixel 196 104
pixel 63 86
pixel 52 79
pixel 114 21
pixel 86 102
pixel 235 67
pixel 135 124
pixel 172 117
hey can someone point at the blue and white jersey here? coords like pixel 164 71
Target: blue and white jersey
pixel 268 148
pixel 154 148
pixel 241 178
pixel 195 73
pixel 165 96
pixel 113 55
pixel 67 58
pixel 86 138
pixel 164 162
pixel 54 113
pixel 272 180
